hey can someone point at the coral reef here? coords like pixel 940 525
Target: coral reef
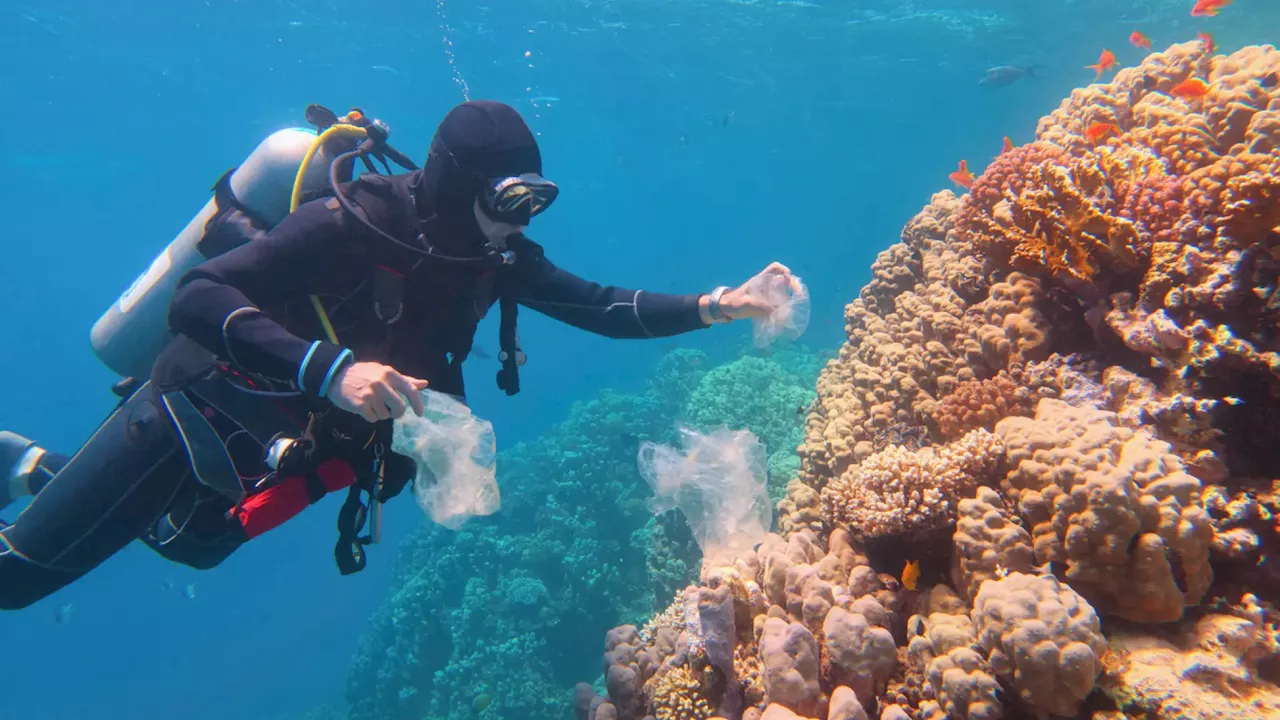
pixel 1057 394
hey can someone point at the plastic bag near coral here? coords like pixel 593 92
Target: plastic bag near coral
pixel 456 456
pixel 789 299
pixel 718 481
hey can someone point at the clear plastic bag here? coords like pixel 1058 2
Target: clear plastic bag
pixel 456 456
pixel 789 299
pixel 717 481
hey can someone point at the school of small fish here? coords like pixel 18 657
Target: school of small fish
pixel 1190 89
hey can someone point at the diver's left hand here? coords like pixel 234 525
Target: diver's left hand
pixel 738 304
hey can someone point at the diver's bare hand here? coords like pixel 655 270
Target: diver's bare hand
pixel 739 304
pixel 375 391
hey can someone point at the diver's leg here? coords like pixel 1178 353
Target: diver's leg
pixel 105 497
pixel 198 530
pixel 25 467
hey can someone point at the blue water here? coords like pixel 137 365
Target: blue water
pixel 694 143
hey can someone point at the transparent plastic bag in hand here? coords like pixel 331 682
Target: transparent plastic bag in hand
pixel 456 456
pixel 789 299
pixel 718 482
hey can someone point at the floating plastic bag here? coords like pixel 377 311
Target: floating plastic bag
pixel 455 452
pixel 717 481
pixel 789 299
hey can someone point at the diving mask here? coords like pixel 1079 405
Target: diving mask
pixel 518 198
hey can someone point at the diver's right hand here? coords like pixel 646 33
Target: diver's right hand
pixel 375 391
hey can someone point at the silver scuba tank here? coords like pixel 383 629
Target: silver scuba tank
pixel 134 330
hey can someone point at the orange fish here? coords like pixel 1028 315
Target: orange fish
pixel 911 574
pixel 1208 8
pixel 1209 45
pixel 962 176
pixel 1140 40
pixel 1008 145
pixel 1190 89
pixel 1106 61
pixel 1097 131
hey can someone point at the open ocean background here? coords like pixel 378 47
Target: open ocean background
pixel 694 142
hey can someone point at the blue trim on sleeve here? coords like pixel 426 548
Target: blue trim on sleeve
pixel 302 367
pixel 333 370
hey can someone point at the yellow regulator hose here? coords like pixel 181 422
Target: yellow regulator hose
pixel 333 131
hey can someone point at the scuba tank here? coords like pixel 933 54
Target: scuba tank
pixel 132 332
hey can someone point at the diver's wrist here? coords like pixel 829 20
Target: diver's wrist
pixel 704 312
pixel 715 308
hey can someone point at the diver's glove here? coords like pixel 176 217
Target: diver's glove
pixel 375 391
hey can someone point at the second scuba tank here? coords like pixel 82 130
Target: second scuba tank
pixel 134 330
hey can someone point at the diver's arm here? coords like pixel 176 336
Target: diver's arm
pixel 218 303
pixel 610 311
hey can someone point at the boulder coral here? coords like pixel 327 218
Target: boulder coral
pixel 1111 506
pixel 1042 638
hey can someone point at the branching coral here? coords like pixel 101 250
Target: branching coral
pixel 675 694
pixel 896 492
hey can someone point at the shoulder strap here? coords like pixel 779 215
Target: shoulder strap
pixel 232 225
pixel 510 354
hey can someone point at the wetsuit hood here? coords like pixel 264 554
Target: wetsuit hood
pixel 477 140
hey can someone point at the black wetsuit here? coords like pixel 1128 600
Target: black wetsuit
pixel 246 314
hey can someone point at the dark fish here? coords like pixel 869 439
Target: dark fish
pixel 480 353
pixel 728 120
pixel 1002 75
pixel 63 613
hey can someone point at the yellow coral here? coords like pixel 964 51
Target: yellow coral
pixel 675 694
pixel 747 668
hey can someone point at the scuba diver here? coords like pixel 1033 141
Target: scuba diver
pixel 291 348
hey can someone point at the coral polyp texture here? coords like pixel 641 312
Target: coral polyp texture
pixel 1040 478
